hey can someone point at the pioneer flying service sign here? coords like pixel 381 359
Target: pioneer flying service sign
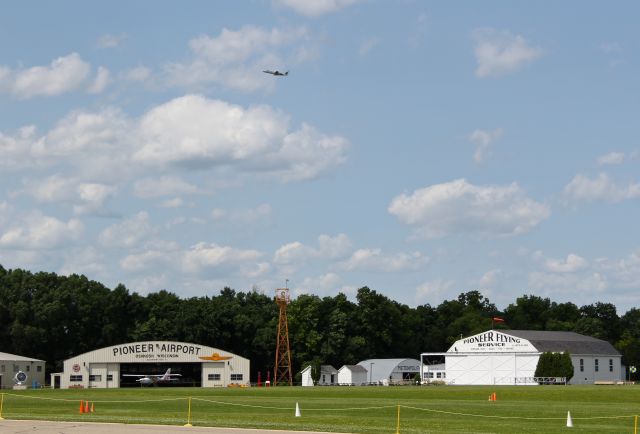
pixel 492 341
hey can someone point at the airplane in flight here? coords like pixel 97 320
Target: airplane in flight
pixel 277 73
pixel 149 379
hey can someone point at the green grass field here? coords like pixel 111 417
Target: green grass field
pixel 434 409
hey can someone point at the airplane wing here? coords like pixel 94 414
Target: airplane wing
pixel 134 375
pixel 268 71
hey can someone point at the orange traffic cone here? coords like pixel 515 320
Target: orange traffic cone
pixel 495 398
pixel 81 407
pixel 86 406
pixel 92 407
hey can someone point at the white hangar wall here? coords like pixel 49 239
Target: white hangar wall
pixel 101 368
pixel 511 357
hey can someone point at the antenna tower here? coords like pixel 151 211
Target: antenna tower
pixel 282 371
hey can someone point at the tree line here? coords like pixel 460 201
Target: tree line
pixel 51 317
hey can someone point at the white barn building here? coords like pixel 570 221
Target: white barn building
pixel 511 357
pixel 328 376
pixel 352 375
pixel 391 370
pixel 11 365
pixel 111 367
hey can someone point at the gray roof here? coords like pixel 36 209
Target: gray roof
pixel 558 341
pixel 15 358
pixel 355 368
pixel 328 369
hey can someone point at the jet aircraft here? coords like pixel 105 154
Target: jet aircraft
pixel 277 73
pixel 149 379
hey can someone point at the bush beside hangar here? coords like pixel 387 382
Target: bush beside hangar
pixel 511 357
pixel 121 365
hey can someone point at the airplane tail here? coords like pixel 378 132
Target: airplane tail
pixel 286 73
pixel 167 375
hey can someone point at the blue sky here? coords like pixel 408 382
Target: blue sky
pixel 420 148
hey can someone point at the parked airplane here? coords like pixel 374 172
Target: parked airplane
pixel 148 379
pixel 268 71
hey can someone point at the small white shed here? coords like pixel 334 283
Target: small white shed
pixel 328 375
pixel 307 381
pixel 352 375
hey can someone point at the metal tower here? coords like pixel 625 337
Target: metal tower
pixel 282 371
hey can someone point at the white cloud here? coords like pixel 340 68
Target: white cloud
pixel 64 74
pixel 85 260
pixel 206 256
pixel 490 278
pixel 572 264
pixel 578 284
pixel 458 207
pixel 329 283
pixel 39 232
pixel 16 149
pixel 482 139
pixel 500 52
pixel 196 132
pixel 163 186
pixel 294 252
pixel 139 73
pixel 433 291
pixel 601 188
pixel 236 58
pixel 315 8
pixel 87 197
pixel 100 83
pixel 328 248
pixel 83 133
pixel 373 260
pixel 611 158
pixel 129 233
pixel 111 41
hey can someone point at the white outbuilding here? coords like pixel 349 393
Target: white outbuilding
pixel 511 357
pixel 19 369
pixel 352 375
pixel 125 364
pixel 384 371
pixel 328 376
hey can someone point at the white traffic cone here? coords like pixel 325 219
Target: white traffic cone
pixel 298 410
pixel 569 420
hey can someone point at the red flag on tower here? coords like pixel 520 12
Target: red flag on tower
pixel 498 319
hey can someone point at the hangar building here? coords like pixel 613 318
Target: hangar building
pixel 391 370
pixel 122 365
pixel 12 364
pixel 511 357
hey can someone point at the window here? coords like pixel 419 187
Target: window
pixel 581 365
pixel 73 378
pixel 2 368
pixel 39 368
pixel 95 377
pixel 215 377
pixel 429 374
pixel 15 368
pixel 236 377
pixel 439 375
pixel 28 368
pixel 110 377
pixel 597 365
pixel 324 380
pixel 610 365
